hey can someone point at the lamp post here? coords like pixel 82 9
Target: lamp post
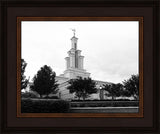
pixel 101 94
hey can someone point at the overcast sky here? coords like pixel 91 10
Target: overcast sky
pixel 110 47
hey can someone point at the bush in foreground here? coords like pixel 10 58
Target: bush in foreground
pixel 44 106
pixel 97 100
pixel 105 104
pixel 29 95
pixel 51 97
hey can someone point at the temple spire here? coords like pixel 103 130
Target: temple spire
pixel 74 32
pixel 74 40
pixel 74 61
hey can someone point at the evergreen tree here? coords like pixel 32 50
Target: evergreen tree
pixel 44 81
pixel 131 86
pixel 24 81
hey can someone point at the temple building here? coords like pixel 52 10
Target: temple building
pixel 75 68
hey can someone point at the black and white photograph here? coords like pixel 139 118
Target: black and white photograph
pixel 79 66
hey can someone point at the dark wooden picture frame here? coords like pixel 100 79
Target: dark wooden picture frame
pixel 145 11
pixel 140 21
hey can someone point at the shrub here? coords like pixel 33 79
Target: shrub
pixel 73 100
pixel 104 103
pixel 44 106
pixel 51 97
pixel 29 95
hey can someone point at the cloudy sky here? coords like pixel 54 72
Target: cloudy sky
pixel 110 47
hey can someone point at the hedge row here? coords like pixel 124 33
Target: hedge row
pixel 105 104
pixel 36 95
pixel 103 100
pixel 44 106
pixel 29 95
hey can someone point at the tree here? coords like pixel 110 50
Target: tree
pixel 44 81
pixel 82 87
pixel 113 90
pixel 24 81
pixel 131 86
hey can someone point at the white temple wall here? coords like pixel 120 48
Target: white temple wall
pixel 67 62
pixel 72 60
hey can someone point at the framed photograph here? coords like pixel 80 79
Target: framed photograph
pixel 87 95
pixel 80 66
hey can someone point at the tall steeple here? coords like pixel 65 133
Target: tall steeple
pixel 74 61
pixel 74 40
